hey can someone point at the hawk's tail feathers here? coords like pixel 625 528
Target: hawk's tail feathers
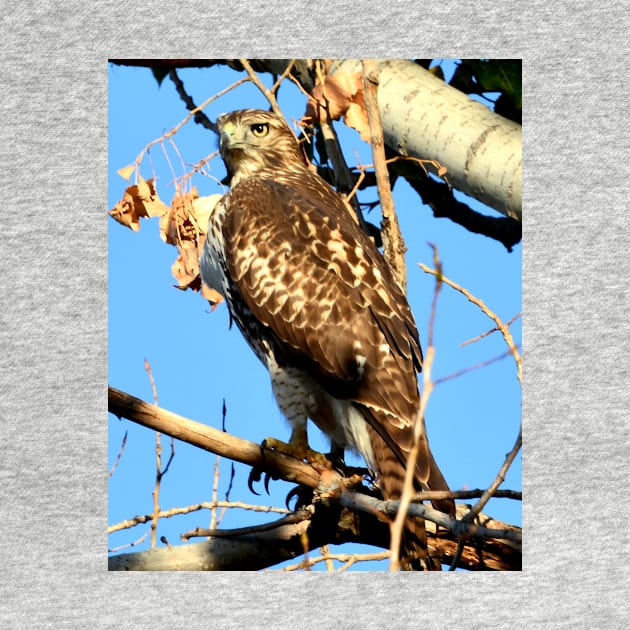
pixel 414 550
pixel 436 481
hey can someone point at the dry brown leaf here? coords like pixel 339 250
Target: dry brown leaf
pixel 340 95
pixel 126 172
pixel 180 223
pixel 331 100
pixel 357 117
pixel 125 213
pixel 146 198
pixel 187 218
pixel 186 268
pixel 139 200
pixel 214 297
pixel 183 270
pixel 185 227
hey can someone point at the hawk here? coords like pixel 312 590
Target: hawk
pixel 319 306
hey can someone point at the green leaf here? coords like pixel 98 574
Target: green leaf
pixel 501 75
pixel 463 77
pixel 478 76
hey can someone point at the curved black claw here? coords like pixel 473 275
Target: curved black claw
pixel 268 477
pixel 255 474
pixel 254 477
pixel 336 459
pixel 303 496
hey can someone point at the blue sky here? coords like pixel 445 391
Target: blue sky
pixel 197 362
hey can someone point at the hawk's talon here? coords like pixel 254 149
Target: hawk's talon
pixel 268 477
pixel 299 450
pixel 303 496
pixel 254 476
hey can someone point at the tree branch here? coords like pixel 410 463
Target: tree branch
pixel 463 527
pixel 421 114
pixel 344 182
pixel 496 545
pixel 200 116
pixel 393 243
pixel 288 468
pixel 327 522
pixel 413 104
pixel 440 198
pixel 268 94
pixel 500 325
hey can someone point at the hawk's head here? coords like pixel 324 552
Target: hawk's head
pixel 252 140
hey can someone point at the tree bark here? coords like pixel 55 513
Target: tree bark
pixel 331 521
pixel 124 405
pixel 426 118
pixel 330 525
pixel 423 117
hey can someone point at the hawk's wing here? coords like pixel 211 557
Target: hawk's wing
pixel 306 271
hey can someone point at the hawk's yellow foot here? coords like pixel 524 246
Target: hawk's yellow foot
pixel 298 449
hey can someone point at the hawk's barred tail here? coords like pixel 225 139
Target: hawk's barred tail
pixel 414 552
pixel 437 482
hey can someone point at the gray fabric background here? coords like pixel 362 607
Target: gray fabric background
pixel 54 316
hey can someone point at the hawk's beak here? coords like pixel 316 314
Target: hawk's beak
pixel 229 138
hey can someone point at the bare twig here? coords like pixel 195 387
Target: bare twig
pixel 419 428
pixel 197 168
pixel 268 94
pixel 487 495
pixel 120 452
pixel 393 243
pixel 502 327
pixel 177 127
pixel 214 520
pixel 327 557
pixel 283 76
pixel 160 472
pixel 432 495
pixel 343 174
pixel 158 457
pixel 140 519
pixel 471 368
pixel 215 490
pixel 489 332
pixel 289 519
pixel 507 336
pixel 128 545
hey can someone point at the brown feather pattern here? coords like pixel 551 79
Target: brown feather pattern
pixel 316 301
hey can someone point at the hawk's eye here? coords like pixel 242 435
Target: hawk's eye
pixel 260 130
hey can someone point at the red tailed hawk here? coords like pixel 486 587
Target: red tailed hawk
pixel 319 306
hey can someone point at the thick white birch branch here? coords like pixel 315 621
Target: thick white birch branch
pixel 424 117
